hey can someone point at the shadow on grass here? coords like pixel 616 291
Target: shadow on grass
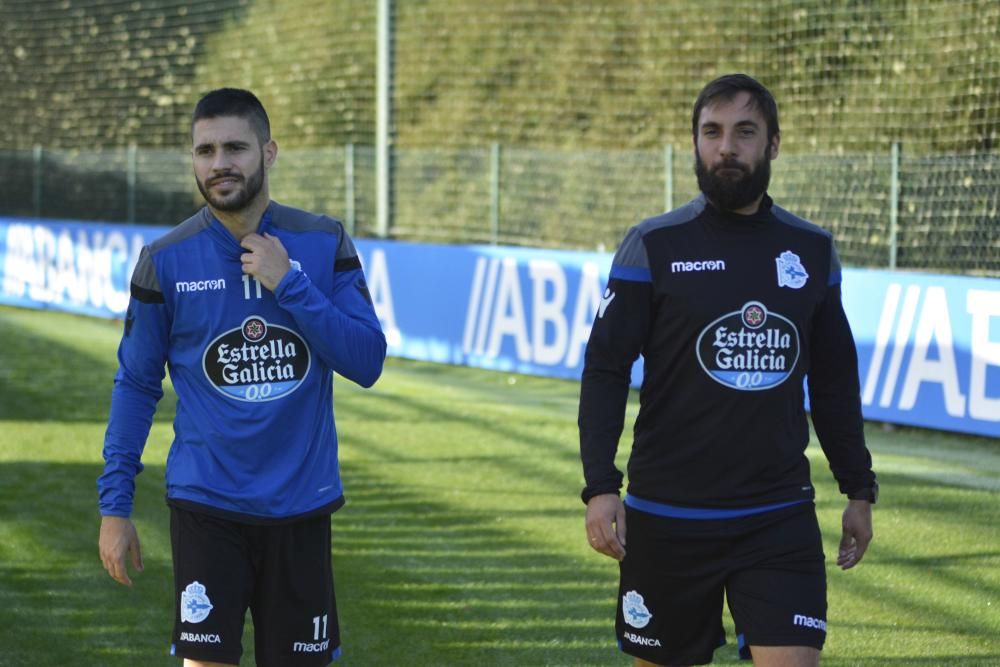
pixel 940 580
pixel 548 457
pixel 426 574
pixel 420 582
pixel 44 378
pixel 989 660
pixel 57 604
pixel 424 581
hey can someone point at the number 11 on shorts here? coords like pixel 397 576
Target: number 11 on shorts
pixel 316 623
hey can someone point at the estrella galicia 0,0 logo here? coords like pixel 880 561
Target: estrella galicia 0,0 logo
pixel 257 361
pixel 750 349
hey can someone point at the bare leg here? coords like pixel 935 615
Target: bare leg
pixel 785 656
pixel 645 663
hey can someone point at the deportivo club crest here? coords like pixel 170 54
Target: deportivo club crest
pixel 750 349
pixel 634 610
pixel 791 273
pixel 257 361
pixel 195 605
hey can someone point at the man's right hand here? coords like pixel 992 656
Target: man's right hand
pixel 606 525
pixel 118 537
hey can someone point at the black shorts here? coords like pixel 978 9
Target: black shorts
pixel 281 572
pixel 769 566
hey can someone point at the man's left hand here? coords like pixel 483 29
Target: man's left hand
pixel 267 260
pixel 857 523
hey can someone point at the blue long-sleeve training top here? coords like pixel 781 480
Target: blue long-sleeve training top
pixel 255 438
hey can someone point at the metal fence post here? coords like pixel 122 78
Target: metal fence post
pixel 894 206
pixel 349 213
pixel 494 193
pixel 668 177
pixel 130 180
pixel 383 116
pixel 36 194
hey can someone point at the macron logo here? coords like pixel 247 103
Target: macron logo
pixel 700 265
pixel 200 285
pixel 809 622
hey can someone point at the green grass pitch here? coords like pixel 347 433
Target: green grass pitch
pixel 462 539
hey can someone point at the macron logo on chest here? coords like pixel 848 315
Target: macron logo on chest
pixel 200 285
pixel 698 265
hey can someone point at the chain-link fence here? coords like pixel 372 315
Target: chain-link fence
pixel 535 122
pixel 938 213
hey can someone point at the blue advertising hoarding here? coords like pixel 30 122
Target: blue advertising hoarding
pixel 928 345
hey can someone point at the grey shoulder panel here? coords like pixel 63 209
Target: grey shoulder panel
pixel 678 216
pixel 793 220
pixel 196 223
pixel 346 249
pixel 144 274
pixel 297 220
pixel 632 251
pixel 145 284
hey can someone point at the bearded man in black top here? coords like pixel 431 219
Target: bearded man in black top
pixel 734 304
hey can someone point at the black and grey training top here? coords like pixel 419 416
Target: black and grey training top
pixel 731 314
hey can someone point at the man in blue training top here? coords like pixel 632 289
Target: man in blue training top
pixel 252 306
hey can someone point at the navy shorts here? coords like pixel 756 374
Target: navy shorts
pixel 676 572
pixel 281 572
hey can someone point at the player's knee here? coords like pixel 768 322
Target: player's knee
pixel 639 662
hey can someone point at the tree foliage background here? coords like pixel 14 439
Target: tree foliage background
pixel 583 96
pixel 850 75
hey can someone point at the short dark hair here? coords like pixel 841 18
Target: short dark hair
pixel 726 88
pixel 234 102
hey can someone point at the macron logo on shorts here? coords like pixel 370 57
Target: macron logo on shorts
pixel 809 622
pixel 311 647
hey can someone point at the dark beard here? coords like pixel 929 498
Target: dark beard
pixel 728 194
pixel 238 200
